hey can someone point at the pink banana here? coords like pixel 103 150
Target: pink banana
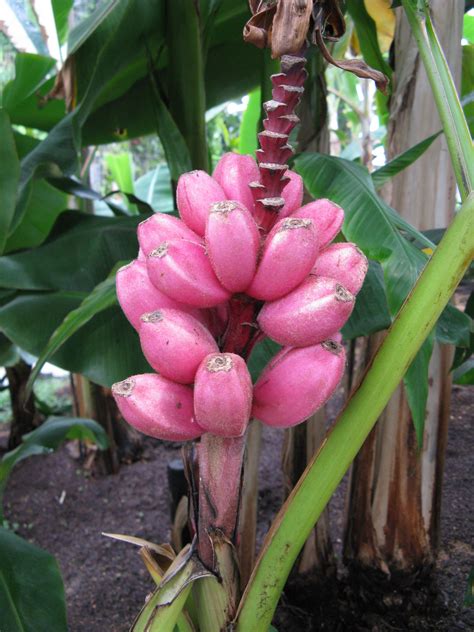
pixel 195 193
pixel 157 407
pixel 318 308
pixel 223 395
pixel 234 172
pixel 233 243
pixel 343 262
pixel 289 253
pixel 175 343
pixel 297 382
pixel 137 294
pixel 292 194
pixel 327 218
pixel 181 269
pixel 160 227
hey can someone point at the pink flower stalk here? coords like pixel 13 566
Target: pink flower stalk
pixel 246 259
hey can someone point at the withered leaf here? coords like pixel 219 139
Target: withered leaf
pixel 258 29
pixel 356 66
pixel 285 25
pixel 64 86
pixel 290 26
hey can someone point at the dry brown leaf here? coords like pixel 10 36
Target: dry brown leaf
pixel 290 26
pixel 64 86
pixel 356 66
pixel 284 25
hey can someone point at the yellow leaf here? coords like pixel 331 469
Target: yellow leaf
pixel 384 18
pixel 355 45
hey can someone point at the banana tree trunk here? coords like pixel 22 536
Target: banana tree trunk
pixel 25 417
pixel 301 442
pixel 96 402
pixel 393 511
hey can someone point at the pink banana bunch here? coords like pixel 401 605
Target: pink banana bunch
pixel 246 260
pixel 207 286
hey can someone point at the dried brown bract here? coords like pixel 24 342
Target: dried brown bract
pixel 286 26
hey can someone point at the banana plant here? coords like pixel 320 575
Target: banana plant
pixel 209 262
pixel 241 293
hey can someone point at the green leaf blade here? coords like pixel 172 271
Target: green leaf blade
pixel 417 387
pixel 101 298
pixel 32 595
pixel 48 437
pixel 248 142
pixel 9 177
pixel 402 161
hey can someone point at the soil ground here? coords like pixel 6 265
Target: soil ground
pixel 53 502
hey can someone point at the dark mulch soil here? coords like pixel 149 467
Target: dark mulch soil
pixel 106 582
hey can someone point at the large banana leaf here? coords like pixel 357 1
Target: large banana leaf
pixel 106 349
pixel 118 42
pixel 101 298
pixel 43 206
pixel 61 9
pixel 30 72
pixel 9 176
pixel 31 589
pixel 79 254
pixel 9 355
pixel 56 278
pixel 154 188
pixel 383 174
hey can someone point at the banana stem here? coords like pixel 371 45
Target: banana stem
pixel 220 469
pixel 442 85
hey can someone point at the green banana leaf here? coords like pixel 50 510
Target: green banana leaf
pixel 402 161
pixel 53 280
pixel 32 595
pixel 9 177
pixel 101 298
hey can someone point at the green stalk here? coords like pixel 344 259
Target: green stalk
pixel 301 511
pixel 187 101
pixel 444 91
